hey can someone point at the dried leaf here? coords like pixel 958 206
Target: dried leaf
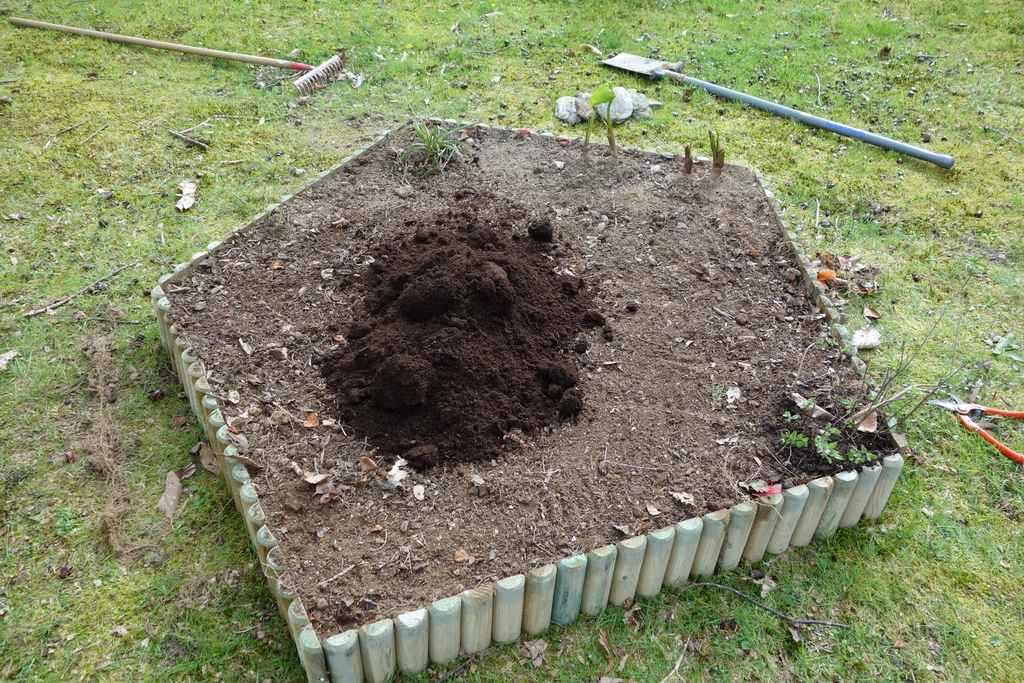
pixel 767 584
pixel 794 633
pixel 869 423
pixel 314 478
pixel 245 346
pixel 295 468
pixel 419 492
pixel 119 631
pixel 312 420
pixel 396 474
pixel 462 556
pixel 367 464
pixel 588 46
pixel 630 618
pixel 653 511
pixel 826 275
pixel 683 498
pixel 867 338
pixel 733 394
pixel 6 357
pixel 602 639
pixel 169 499
pixel 534 650
pixel 871 314
pixel 187 195
pixel 623 529
pixel 810 408
pixel 208 459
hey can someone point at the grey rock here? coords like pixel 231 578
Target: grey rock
pixel 621 107
pixel 583 108
pixel 565 110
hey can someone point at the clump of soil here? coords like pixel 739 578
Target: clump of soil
pixel 466 332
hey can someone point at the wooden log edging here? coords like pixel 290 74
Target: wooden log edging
pixel 525 606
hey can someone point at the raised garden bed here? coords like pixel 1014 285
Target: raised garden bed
pixel 416 395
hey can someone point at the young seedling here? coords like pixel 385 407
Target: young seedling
pixel 432 151
pixel 717 152
pixel 602 95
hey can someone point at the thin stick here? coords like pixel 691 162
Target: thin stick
pixel 191 141
pixel 674 669
pixel 95 133
pixel 785 617
pixel 62 131
pixel 818 78
pixel 340 574
pixel 60 302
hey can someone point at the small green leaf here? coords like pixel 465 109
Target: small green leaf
pixel 602 95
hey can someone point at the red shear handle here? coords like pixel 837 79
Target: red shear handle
pixel 972 426
pixel 1012 414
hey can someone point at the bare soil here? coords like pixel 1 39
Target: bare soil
pixel 706 332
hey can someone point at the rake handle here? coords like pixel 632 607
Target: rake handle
pixel 162 45
pixel 943 160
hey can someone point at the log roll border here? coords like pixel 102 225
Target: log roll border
pixel 526 605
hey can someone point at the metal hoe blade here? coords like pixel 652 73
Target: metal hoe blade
pixel 639 65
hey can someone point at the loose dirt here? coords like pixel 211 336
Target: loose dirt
pixel 702 330
pixel 463 336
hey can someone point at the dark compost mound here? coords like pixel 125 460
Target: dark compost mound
pixel 465 334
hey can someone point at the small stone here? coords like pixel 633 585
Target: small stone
pixel 926 137
pixel 559 165
pixel 583 108
pixel 298 171
pixel 582 345
pixel 633 306
pixel 541 230
pixel 327 274
pixel 621 107
pixel 741 319
pixel 404 191
pixel 565 110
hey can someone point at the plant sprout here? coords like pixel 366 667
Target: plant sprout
pixel 602 95
pixel 717 152
pixel 432 151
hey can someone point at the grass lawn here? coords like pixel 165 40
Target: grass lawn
pixel 95 584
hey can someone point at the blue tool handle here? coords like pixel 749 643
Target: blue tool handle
pixel 943 160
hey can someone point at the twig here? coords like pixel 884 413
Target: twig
pixel 674 670
pixel 818 78
pixel 878 405
pixel 95 133
pixel 447 676
pixel 192 128
pixel 62 131
pixel 8 81
pixel 340 574
pixel 191 141
pixel 60 302
pixel 817 214
pixel 785 617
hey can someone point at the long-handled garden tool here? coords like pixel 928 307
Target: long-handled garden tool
pixel 652 68
pixel 313 78
pixel 967 415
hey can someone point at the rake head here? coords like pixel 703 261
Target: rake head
pixel 319 77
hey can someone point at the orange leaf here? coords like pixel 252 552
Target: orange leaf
pixel 826 275
pixel 312 420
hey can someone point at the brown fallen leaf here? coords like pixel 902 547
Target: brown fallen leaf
pixel 653 511
pixel 168 502
pixel 462 556
pixel 623 529
pixel 314 478
pixel 602 639
pixel 249 462
pixel 208 459
pixel 312 420
pixel 367 464
pixel 868 423
pixel 534 650
pixel 682 498
pixel 871 314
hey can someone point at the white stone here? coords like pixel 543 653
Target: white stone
pixel 565 110
pixel 621 106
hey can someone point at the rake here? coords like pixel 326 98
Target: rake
pixel 313 78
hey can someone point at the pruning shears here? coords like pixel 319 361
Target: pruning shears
pixel 968 414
